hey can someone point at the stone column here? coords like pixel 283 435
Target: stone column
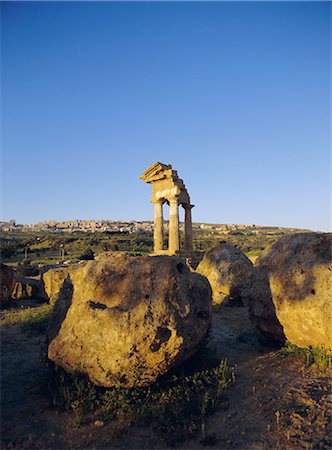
pixel 174 239
pixel 158 227
pixel 188 229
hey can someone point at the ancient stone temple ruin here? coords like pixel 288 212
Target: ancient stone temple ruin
pixel 168 188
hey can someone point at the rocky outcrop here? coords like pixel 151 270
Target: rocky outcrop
pixel 7 277
pixel 127 320
pixel 27 288
pixel 292 292
pixel 53 281
pixel 229 273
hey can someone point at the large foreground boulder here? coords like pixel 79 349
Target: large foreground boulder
pixel 292 293
pixel 229 273
pixel 7 278
pixel 127 320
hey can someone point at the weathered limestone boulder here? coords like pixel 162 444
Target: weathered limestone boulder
pixel 7 277
pixel 53 281
pixel 27 288
pixel 261 307
pixel 128 320
pixel 292 292
pixel 229 273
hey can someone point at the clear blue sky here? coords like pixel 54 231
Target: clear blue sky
pixel 235 95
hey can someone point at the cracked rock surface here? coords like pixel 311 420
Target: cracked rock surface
pixel 128 320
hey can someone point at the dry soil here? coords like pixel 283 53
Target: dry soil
pixel 276 401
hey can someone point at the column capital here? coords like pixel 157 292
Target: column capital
pixel 187 206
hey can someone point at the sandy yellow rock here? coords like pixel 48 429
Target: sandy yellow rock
pixel 27 288
pixel 53 281
pixel 229 273
pixel 298 289
pixel 127 320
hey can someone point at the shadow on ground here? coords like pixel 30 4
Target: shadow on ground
pixel 275 401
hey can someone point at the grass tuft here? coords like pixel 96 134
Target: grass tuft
pixel 33 321
pixel 313 355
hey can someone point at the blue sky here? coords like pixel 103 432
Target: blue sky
pixel 235 95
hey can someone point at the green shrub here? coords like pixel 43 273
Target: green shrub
pixel 312 355
pixel 87 255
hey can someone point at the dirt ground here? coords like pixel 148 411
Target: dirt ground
pixel 275 403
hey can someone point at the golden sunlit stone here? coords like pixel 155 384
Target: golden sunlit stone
pixel 127 320
pixel 229 273
pixel 53 281
pixel 293 290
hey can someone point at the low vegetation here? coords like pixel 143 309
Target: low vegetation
pixel 47 247
pixel 176 406
pixel 312 356
pixel 33 321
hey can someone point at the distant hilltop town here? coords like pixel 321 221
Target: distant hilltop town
pixel 133 226
pixel 91 226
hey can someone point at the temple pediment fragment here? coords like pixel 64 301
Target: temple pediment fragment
pixel 157 171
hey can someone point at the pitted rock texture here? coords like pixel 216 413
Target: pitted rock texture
pixel 292 294
pixel 7 278
pixel 229 273
pixel 128 320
